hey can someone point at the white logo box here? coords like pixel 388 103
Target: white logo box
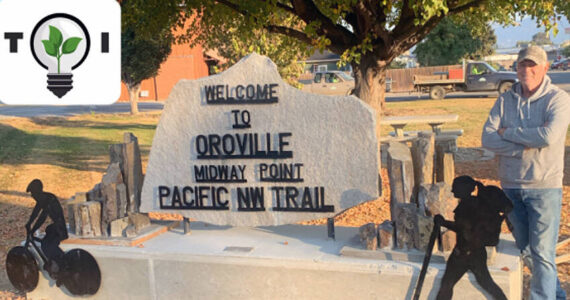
pixel 91 74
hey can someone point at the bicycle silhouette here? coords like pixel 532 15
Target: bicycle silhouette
pixel 76 269
pixel 81 274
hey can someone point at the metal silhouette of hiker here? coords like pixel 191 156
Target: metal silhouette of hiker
pixel 47 205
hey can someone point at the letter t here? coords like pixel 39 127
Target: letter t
pixel 13 37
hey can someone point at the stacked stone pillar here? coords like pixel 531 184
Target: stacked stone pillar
pixel 111 208
pixel 420 183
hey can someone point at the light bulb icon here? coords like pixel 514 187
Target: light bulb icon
pixel 60 43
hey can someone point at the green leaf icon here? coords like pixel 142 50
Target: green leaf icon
pixel 54 46
pixel 70 45
pixel 55 36
pixel 50 48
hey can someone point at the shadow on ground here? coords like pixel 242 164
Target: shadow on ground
pixel 20 147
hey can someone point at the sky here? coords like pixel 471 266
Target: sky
pixel 507 37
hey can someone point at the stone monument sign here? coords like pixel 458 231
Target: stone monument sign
pixel 243 148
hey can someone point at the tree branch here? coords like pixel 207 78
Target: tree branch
pixel 286 8
pixel 406 41
pixel 289 32
pixel 464 7
pixel 308 12
pixel 234 7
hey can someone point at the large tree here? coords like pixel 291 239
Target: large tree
pixel 452 40
pixel 144 47
pixel 366 33
pixel 230 46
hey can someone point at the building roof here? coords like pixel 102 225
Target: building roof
pixel 325 56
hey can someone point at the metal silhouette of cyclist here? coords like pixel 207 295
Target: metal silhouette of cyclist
pixel 47 205
pixel 77 270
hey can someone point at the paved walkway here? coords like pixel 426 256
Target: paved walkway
pixel 8 111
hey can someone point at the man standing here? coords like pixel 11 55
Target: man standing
pixel 526 129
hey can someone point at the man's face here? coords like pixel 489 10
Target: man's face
pixel 530 74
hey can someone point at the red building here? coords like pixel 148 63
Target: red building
pixel 183 63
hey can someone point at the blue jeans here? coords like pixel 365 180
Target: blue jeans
pixel 536 219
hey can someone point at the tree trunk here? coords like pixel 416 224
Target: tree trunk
pixel 134 97
pixel 370 77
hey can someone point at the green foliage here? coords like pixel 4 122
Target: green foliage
pixel 141 58
pixel 367 34
pixel 286 52
pixel 450 42
pixel 142 53
pixel 52 46
pixel 485 42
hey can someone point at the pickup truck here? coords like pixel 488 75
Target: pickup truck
pixel 333 83
pixel 472 77
pixel 330 83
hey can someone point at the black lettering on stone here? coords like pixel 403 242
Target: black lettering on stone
pixel 201 140
pixel 176 200
pixel 250 91
pixel 310 199
pixel 244 121
pixel 228 143
pixel 251 199
pixel 214 142
pixel 262 91
pixel 280 172
pixel 272 90
pixel 219 92
pixel 223 204
pixel 210 92
pixel 291 194
pixel 185 192
pixel 249 94
pixel 163 191
pixel 239 92
pixel 276 193
pixel 249 145
pixel 193 198
pixel 220 173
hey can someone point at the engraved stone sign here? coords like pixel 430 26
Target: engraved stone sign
pixel 243 148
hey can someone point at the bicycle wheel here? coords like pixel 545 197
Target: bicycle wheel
pixel 83 276
pixel 22 269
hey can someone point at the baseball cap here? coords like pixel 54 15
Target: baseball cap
pixel 534 53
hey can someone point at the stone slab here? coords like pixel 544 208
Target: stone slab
pixel 305 156
pixel 146 234
pixel 283 262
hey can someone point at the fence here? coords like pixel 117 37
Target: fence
pixel 402 79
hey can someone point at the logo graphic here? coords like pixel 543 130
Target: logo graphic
pixel 73 46
pixel 55 48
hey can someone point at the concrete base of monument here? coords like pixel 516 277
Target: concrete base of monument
pixel 291 261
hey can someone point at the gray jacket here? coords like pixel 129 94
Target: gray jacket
pixel 531 150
